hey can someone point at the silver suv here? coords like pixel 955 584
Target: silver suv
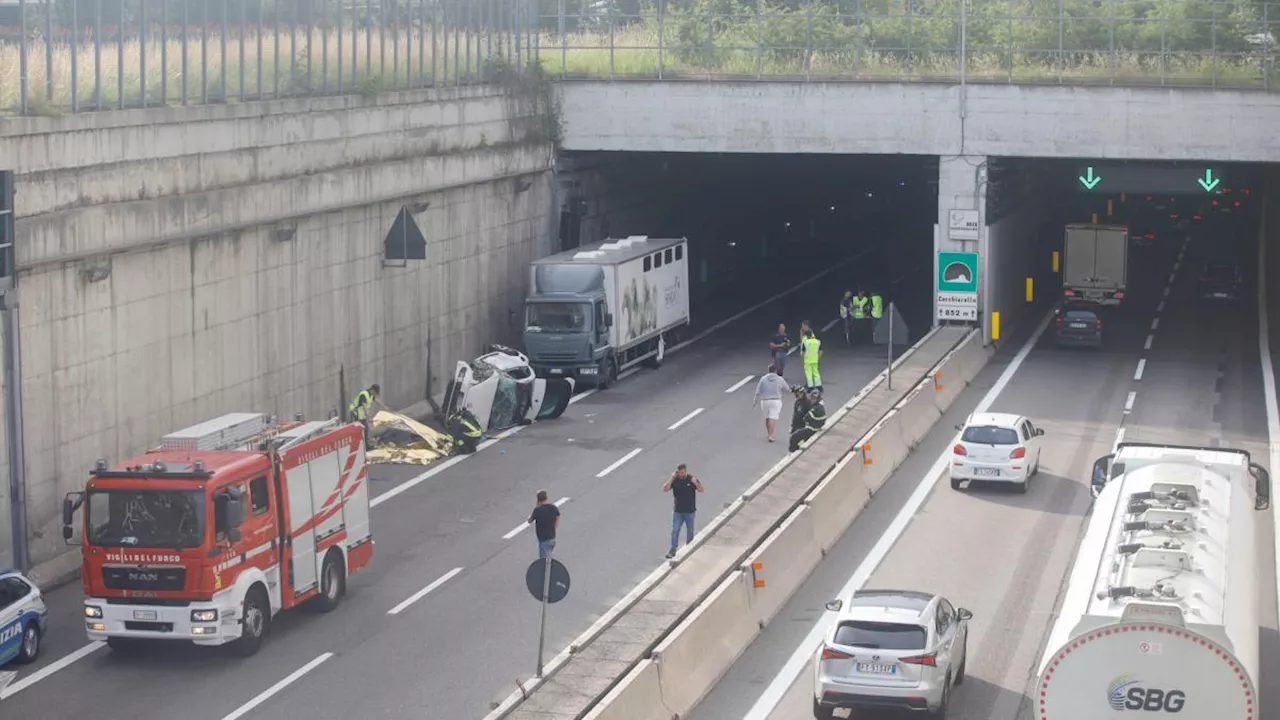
pixel 891 649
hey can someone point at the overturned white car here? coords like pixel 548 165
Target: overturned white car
pixel 500 390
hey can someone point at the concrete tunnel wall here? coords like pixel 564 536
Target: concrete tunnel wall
pixel 179 263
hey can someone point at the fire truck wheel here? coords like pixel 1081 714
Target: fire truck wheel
pixel 256 620
pixel 333 582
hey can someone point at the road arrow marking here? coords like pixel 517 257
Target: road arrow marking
pixel 1089 180
pixel 1208 182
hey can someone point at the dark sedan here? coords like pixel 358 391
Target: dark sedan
pixel 1078 327
pixel 1220 281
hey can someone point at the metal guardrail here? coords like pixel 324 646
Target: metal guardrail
pixel 74 55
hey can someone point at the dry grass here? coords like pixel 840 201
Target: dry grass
pixel 404 58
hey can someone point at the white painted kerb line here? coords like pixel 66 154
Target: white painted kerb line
pixel 1142 365
pixel 795 665
pixel 516 530
pixel 619 463
pixel 740 383
pixel 49 669
pixel 267 694
pixel 685 419
pixel 424 591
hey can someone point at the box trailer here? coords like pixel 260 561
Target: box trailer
pixel 1095 265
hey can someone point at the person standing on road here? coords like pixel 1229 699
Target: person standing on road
pixel 811 346
pixel 361 411
pixel 769 395
pixel 684 489
pixel 546 520
pixel 779 346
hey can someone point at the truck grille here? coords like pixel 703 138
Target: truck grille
pixel 557 356
pixel 126 578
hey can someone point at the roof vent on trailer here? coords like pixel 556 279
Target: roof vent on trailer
pixel 221 433
pixel 587 254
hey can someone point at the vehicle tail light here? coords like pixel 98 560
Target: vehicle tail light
pixel 931 660
pixel 1119 296
pixel 1196 217
pixel 1150 236
pixel 1069 293
pixel 1018 453
pixel 1215 203
pixel 1097 324
pixel 1059 319
pixel 1236 204
pixel 959 450
pixel 832 654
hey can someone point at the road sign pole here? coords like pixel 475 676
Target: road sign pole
pixel 546 593
pixel 889 345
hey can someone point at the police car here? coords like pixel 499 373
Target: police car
pixel 22 618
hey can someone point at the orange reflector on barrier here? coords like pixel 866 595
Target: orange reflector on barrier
pixel 759 583
pixel 757 565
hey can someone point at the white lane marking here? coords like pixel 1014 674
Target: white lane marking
pixel 1142 365
pixel 1160 307
pixel 619 463
pixel 424 591
pixel 267 694
pixel 1268 393
pixel 786 677
pixel 740 383
pixel 1171 275
pixel 830 325
pixel 1147 345
pixel 517 529
pixel 1155 323
pixel 1119 439
pixel 685 419
pixel 1176 266
pixel 1128 402
pixel 1166 291
pixel 50 669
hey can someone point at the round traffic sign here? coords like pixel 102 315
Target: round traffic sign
pixel 535 576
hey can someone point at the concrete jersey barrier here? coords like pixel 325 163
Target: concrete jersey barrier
pixel 584 677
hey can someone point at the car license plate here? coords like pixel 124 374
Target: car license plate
pixel 588 371
pixel 1221 295
pixel 557 371
pixel 1077 325
pixel 987 472
pixel 877 668
pixel 144 615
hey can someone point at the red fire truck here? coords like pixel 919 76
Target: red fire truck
pixel 205 538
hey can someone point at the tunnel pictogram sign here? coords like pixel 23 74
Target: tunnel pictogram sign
pixel 957 286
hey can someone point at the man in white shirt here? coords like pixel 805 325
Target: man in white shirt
pixel 769 392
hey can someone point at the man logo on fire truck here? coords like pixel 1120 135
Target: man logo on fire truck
pixel 226 523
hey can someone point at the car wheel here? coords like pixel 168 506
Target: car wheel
pixel 955 483
pixel 1020 487
pixel 822 713
pixel 964 661
pixel 30 647
pixel 944 704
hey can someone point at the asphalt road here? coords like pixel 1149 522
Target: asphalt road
pixel 1173 370
pixel 463 643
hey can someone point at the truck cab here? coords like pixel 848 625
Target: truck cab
pixel 568 334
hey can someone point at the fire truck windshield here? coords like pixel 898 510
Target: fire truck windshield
pixel 145 518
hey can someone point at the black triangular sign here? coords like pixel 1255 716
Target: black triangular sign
pixel 405 241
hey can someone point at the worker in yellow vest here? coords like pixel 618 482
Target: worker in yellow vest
pixel 877 310
pixel 860 312
pixel 812 348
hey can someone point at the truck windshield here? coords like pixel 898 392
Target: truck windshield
pixel 557 317
pixel 145 518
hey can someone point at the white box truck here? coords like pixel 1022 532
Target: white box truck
pixel 1160 613
pixel 596 311
pixel 1095 266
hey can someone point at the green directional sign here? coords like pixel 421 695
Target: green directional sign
pixel 1089 180
pixel 1208 182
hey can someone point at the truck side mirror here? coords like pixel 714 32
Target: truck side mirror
pixel 235 514
pixel 1261 486
pixel 608 319
pixel 70 503
pixel 1101 470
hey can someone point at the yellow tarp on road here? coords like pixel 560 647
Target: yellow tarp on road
pixel 402 440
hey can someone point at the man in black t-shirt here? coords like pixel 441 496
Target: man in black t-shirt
pixel 684 489
pixel 779 346
pixel 546 519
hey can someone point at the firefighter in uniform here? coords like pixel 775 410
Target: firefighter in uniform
pixel 813 419
pixel 361 411
pixel 466 431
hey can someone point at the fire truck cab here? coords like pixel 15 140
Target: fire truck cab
pixel 206 537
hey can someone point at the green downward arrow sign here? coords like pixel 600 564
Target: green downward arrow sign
pixel 1208 182
pixel 1089 180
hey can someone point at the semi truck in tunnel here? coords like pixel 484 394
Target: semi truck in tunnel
pixel 597 310
pixel 1095 265
pixel 1161 610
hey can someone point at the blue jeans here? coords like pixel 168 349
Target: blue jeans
pixel 678 519
pixel 545 547
pixel 780 360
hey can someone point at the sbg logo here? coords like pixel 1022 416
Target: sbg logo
pixel 1125 693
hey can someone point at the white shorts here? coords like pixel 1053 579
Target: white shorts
pixel 772 408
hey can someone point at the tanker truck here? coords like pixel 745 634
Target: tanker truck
pixel 1160 613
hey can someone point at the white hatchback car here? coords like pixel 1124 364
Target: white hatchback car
pixel 891 650
pixel 996 447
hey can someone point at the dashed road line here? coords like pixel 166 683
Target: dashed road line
pixel 50 669
pixel 1160 307
pixel 1128 402
pixel 1142 365
pixel 1155 323
pixel 618 463
pixel 270 692
pixel 1147 345
pixel 685 419
pixel 424 591
pixel 517 529
pixel 1119 439
pixel 740 383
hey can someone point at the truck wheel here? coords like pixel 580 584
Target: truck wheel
pixel 255 621
pixel 610 375
pixel 333 582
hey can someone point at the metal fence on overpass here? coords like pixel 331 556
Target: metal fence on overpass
pixel 75 55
